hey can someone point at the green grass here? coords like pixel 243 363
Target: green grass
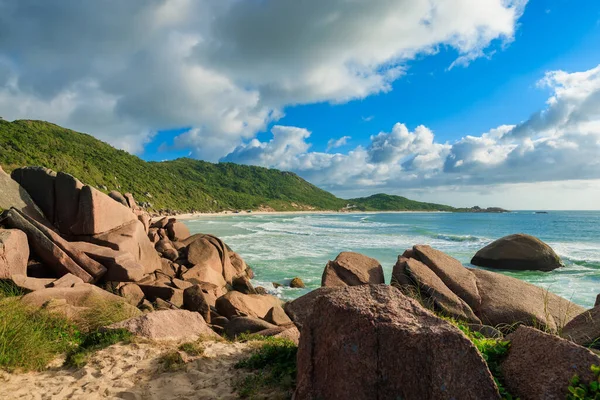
pixel 192 348
pixel 179 185
pixel 273 363
pixel 94 341
pixel 172 361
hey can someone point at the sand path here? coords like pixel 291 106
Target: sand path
pixel 133 372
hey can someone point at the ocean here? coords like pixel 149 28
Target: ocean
pixel 280 247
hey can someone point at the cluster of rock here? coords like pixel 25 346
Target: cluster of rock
pixel 72 245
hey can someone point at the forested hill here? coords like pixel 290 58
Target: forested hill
pixel 179 185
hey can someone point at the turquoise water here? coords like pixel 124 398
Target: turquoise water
pixel 281 246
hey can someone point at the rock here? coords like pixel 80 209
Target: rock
pixel 297 283
pixel 597 301
pixel 219 321
pixel 167 268
pixel 131 201
pixel 66 281
pixel 144 218
pixel 276 285
pixel 371 341
pixel 49 252
pixel 240 325
pixel 584 329
pixel 179 284
pixel 13 195
pixel 161 223
pixel 506 301
pixel 251 305
pixel 277 316
pixel 204 273
pixel 131 238
pixel 350 269
pixel 177 230
pixel 164 304
pixel 14 253
pixel 451 271
pixel 153 235
pixel 239 265
pixel 540 366
pixel 433 290
pixel 118 197
pixel 72 302
pixel 67 194
pixel 98 213
pixel 260 290
pixel 194 299
pixel 400 279
pixel 146 306
pixel 292 333
pixel 518 252
pixel 202 252
pixel 132 293
pixel 242 284
pixel 120 266
pixel 168 325
pixel 31 284
pixel 39 183
pixel 172 295
pixel 300 309
pixel 163 245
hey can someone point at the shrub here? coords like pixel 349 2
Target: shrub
pixel 192 348
pixel 94 341
pixel 172 361
pixel 585 391
pixel 274 366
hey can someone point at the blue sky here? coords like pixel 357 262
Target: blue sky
pixel 491 102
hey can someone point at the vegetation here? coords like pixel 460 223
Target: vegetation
pixel 192 348
pixel 172 361
pixel 94 341
pixel 273 364
pixel 585 391
pixel 386 202
pixel 179 185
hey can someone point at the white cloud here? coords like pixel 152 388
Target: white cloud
pixel 335 143
pixel 559 143
pixel 122 70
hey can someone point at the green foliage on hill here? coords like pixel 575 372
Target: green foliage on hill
pixel 386 202
pixel 180 185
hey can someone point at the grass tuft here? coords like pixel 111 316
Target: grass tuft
pixel 94 341
pixel 273 364
pixel 192 348
pixel 172 361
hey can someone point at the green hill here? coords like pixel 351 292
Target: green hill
pixel 386 202
pixel 179 185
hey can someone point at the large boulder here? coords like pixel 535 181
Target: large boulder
pixel 203 273
pixel 177 230
pixel 168 325
pixel 371 341
pixel 507 301
pixel 118 197
pixel 240 325
pixel 451 271
pixel 584 329
pixel 350 269
pixel 518 252
pixel 13 195
pixel 66 208
pixel 121 266
pixel 300 309
pixel 198 300
pixel 130 238
pixel 14 253
pixel 540 366
pixel 83 298
pixel 98 213
pixel 432 290
pixel 201 252
pixel 39 183
pixel 248 305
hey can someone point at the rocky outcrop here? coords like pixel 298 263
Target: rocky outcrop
pixel 540 366
pixel 168 325
pixel 507 301
pixel 39 183
pixel 584 329
pixel 351 269
pixel 14 253
pixel 345 350
pixel 248 305
pixel 66 208
pixel 13 195
pixel 177 230
pixel 518 252
pixel 98 213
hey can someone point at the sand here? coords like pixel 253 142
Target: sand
pixel 134 371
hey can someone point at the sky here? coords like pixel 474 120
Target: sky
pixel 462 102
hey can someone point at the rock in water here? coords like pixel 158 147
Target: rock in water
pixel 351 269
pixel 518 252
pixel 297 283
pixel 14 253
pixel 169 325
pixel 371 341
pixel 540 366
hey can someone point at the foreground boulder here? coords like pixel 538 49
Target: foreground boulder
pixel 300 309
pixel 14 253
pixel 518 252
pixel 507 301
pixel 371 341
pixel 540 366
pixel 351 269
pixel 13 195
pixel 246 305
pixel 168 325
pixel 80 300
pixel 98 213
pixel 584 329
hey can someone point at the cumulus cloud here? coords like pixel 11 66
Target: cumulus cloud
pixel 122 70
pixel 335 143
pixel 559 143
